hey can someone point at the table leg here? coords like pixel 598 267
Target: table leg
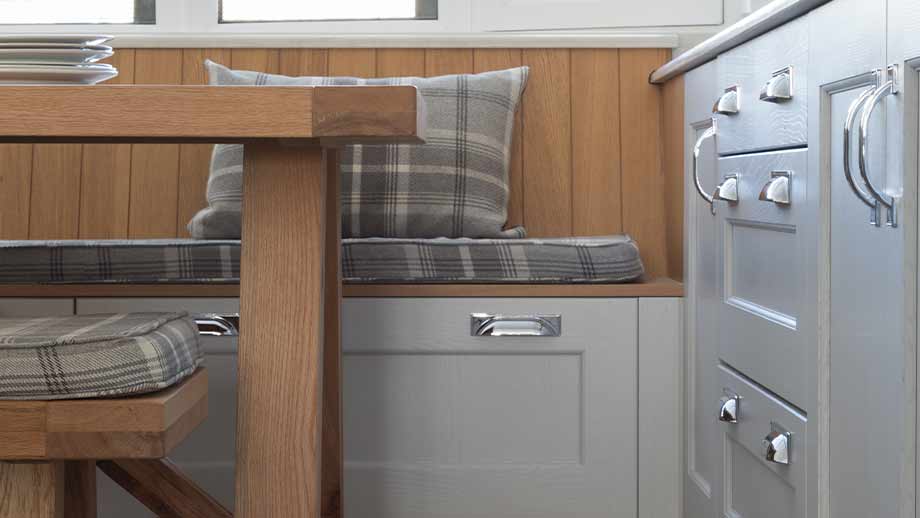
pixel 32 490
pixel 332 360
pixel 279 413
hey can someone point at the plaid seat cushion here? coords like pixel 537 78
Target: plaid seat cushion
pixel 454 185
pixel 88 356
pixel 120 261
pixel 368 260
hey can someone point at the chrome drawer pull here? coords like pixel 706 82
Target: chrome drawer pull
pixel 776 445
pixel 874 218
pixel 483 324
pixel 729 103
pixel 884 90
pixel 729 407
pixel 708 134
pixel 779 88
pixel 218 325
pixel 727 190
pixel 777 189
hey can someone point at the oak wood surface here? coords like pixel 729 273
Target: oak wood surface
pixel 279 409
pixel 163 488
pixel 32 490
pixel 146 426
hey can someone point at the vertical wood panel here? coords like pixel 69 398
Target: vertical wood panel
pixel 595 142
pixel 439 62
pixel 155 167
pixel 55 205
pixel 259 60
pixel 106 179
pixel 353 62
pixel 304 62
pixel 673 156
pixel 400 62
pixel 15 190
pixel 547 143
pixel 195 159
pixel 643 180
pixel 485 60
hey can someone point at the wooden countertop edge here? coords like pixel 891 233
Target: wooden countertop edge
pixel 652 288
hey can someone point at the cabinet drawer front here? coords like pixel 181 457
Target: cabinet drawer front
pixel 763 125
pixel 755 487
pixel 765 260
pixel 550 421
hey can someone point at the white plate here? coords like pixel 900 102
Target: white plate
pixel 50 74
pixel 59 56
pixel 80 40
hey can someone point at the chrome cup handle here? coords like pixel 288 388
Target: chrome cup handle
pixel 708 134
pixel 861 193
pixel 874 101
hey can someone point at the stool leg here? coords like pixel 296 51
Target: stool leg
pixel 32 490
pixel 80 489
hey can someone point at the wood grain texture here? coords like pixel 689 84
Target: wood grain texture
pixel 144 426
pixel 353 62
pixel 258 60
pixel 163 488
pixel 596 203
pixel 154 193
pixel 547 143
pixel 15 190
pixel 486 60
pixel 55 206
pixel 643 179
pixel 333 456
pixel 400 62
pixel 673 169
pixel 32 490
pixel 304 62
pixel 195 159
pixel 279 410
pixel 80 489
pixel 440 62
pixel 106 178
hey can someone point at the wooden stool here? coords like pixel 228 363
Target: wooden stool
pixel 49 451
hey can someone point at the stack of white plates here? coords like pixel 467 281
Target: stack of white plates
pixel 30 59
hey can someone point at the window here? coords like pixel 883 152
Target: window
pixel 311 10
pixel 77 11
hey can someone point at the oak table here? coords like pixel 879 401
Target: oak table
pixel 289 451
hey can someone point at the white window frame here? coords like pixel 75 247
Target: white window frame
pixel 199 18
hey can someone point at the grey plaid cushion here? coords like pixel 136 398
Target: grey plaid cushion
pixel 455 185
pixel 88 356
pixel 120 261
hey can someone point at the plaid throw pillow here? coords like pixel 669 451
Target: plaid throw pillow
pixel 454 185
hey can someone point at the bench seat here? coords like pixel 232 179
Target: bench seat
pixel 607 259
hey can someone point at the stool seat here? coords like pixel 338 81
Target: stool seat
pixel 91 356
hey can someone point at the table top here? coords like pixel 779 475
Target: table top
pixel 218 114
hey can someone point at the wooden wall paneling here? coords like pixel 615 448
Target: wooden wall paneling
pixel 106 179
pixel 55 205
pixel 485 60
pixel 596 203
pixel 195 159
pixel 353 62
pixel 440 62
pixel 15 190
pixel 304 62
pixel 643 179
pixel 154 200
pixel 547 143
pixel 259 60
pixel 400 62
pixel 673 156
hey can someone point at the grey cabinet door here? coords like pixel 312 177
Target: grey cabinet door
pixel 865 363
pixel 702 481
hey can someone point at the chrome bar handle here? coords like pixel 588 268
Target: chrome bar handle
pixel 890 203
pixel 484 324
pixel 708 134
pixel 865 197
pixel 210 324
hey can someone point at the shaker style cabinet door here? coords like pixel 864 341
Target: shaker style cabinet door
pixel 702 480
pixel 865 362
